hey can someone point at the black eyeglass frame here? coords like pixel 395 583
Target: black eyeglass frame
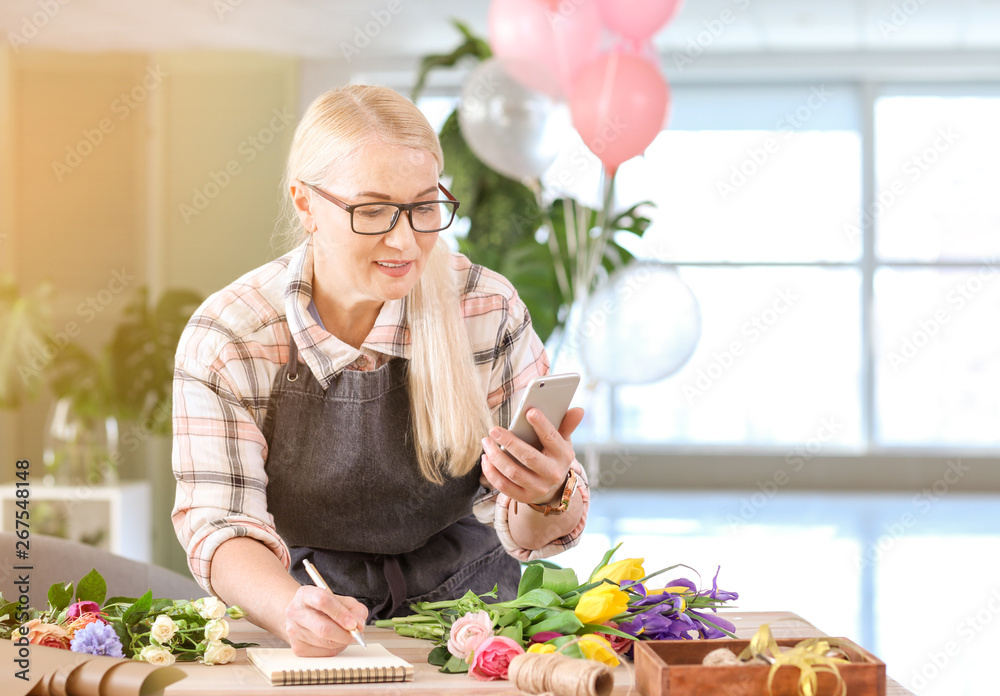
pixel 408 207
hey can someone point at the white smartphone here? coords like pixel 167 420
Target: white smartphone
pixel 552 395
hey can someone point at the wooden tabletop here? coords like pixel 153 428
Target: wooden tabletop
pixel 240 677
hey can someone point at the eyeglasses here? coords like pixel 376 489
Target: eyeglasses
pixel 380 218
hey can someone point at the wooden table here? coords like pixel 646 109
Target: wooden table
pixel 241 678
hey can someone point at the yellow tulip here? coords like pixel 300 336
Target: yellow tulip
pixel 629 569
pixel 601 604
pixel 596 648
pixel 542 648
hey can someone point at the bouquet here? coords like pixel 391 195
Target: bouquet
pixel 598 620
pixel 157 631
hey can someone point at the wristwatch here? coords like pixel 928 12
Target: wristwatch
pixel 563 501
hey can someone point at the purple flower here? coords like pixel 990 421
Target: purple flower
pixel 652 625
pixel 74 611
pixel 97 639
pixel 707 631
pixel 721 595
pixel 545 636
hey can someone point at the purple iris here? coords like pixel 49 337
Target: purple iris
pixel 710 631
pixel 721 595
pixel 653 625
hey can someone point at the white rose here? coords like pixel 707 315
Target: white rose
pixel 210 607
pixel 219 653
pixel 156 655
pixel 216 629
pixel 163 629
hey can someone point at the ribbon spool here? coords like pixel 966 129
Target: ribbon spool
pixel 560 675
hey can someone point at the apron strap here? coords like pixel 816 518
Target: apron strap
pixel 397 587
pixel 293 360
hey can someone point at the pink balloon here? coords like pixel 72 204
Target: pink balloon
pixel 561 37
pixel 619 103
pixel 637 19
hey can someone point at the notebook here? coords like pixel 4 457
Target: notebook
pixel 356 665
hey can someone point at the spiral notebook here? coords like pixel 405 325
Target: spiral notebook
pixel 355 665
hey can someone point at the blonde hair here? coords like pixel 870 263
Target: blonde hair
pixel 448 409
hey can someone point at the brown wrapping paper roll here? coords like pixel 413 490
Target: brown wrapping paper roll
pixel 54 672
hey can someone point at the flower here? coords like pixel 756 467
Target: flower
pixel 542 648
pixel 601 603
pixel 629 569
pixel 216 629
pixel 97 638
pixel 721 595
pixel 619 644
pixel 598 649
pixel 491 660
pixel 545 636
pixel 163 629
pixel 468 632
pixel 210 607
pixel 83 620
pixel 49 635
pixel 218 653
pixel 77 609
pixel 155 655
pixel 235 613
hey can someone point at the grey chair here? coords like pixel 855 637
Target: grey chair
pixel 58 560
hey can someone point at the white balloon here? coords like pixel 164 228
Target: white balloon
pixel 513 129
pixel 640 326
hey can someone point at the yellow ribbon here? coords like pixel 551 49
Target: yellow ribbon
pixel 809 655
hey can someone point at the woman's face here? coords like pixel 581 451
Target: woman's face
pixel 359 269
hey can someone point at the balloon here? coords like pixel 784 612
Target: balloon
pixel 636 19
pixel 560 36
pixel 619 103
pixel 515 130
pixel 640 326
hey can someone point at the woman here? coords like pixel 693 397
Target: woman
pixel 342 404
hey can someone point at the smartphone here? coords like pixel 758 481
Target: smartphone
pixel 552 395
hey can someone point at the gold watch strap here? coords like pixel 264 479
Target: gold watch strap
pixel 563 503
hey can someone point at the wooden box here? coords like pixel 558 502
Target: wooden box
pixel 673 667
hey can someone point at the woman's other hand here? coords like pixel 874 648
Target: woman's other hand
pixel 318 622
pixel 524 473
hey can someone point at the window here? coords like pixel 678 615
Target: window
pixel 843 243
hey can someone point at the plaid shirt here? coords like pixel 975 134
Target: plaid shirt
pixel 236 343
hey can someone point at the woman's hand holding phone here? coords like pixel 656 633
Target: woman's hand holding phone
pixel 519 470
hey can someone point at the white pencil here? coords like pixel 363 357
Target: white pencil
pixel 320 582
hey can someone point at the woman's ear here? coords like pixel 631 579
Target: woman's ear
pixel 301 201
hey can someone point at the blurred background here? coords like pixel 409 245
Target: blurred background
pixel 808 284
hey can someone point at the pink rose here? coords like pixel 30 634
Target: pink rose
pixel 493 657
pixel 468 632
pixel 76 610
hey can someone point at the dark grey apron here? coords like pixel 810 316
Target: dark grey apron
pixel 345 490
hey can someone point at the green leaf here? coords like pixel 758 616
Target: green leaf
pixel 512 616
pixel 472 46
pixel 545 563
pixel 119 600
pixel 605 560
pixel 60 596
pixel 439 656
pixel 91 588
pixel 565 623
pixel 138 611
pixel 560 581
pixel 601 628
pixel 514 632
pixel 531 579
pixel 538 597
pixel 455 665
